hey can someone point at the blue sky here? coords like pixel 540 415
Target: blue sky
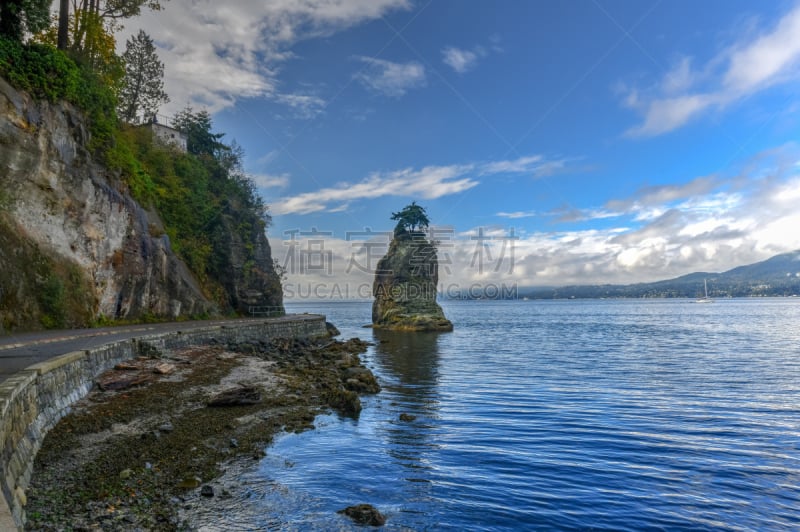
pixel 551 142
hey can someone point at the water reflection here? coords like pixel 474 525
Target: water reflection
pixel 378 458
pixel 413 358
pixel 408 364
pixel 632 414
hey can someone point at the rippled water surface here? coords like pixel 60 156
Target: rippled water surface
pixel 555 415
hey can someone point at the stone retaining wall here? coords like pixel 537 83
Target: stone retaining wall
pixel 35 399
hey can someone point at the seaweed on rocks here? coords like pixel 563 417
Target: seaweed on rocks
pixel 125 459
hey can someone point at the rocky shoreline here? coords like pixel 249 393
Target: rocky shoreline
pixel 156 431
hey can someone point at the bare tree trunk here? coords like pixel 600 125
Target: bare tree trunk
pixel 63 25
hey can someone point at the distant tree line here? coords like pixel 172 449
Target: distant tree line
pixel 773 287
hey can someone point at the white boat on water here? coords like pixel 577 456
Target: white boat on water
pixel 705 298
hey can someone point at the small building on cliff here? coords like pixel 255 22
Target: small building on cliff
pixel 168 135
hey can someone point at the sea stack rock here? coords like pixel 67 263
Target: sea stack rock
pixel 406 278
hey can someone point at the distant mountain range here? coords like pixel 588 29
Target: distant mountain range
pixel 774 277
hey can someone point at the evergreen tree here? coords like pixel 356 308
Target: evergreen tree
pixel 201 140
pixel 412 219
pixel 20 16
pixel 143 85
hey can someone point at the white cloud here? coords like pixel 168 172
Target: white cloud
pixel 268 157
pixel 682 240
pixel 534 165
pixel 459 60
pixel 680 78
pixel 429 183
pixel 218 52
pixel 550 168
pixel 741 70
pixel 584 215
pixel 658 195
pixel 715 231
pixel 304 105
pixel 708 224
pixel 463 60
pixel 664 115
pixel 389 78
pixel 765 60
pixel 517 214
pixel 270 181
pixel 524 164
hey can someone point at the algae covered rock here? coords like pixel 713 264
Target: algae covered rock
pixel 364 514
pixel 405 279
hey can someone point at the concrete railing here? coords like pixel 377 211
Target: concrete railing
pixel 35 399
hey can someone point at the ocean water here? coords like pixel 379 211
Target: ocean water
pixel 553 415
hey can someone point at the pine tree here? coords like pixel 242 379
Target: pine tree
pixel 201 141
pixel 142 90
pixel 411 219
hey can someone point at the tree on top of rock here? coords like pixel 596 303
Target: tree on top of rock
pixel 412 219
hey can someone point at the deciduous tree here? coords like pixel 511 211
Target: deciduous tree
pixel 96 49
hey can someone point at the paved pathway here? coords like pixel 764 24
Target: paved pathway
pixel 20 351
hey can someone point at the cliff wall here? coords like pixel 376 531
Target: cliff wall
pixel 75 246
pixel 248 276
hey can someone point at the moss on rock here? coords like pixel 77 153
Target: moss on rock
pixel 405 287
pixel 37 289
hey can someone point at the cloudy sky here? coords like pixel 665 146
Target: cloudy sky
pixel 552 143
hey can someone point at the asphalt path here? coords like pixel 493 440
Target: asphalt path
pixel 19 351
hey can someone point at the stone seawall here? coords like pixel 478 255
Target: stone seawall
pixel 35 399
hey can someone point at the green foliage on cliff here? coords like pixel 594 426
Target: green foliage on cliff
pixel 201 140
pixel 201 198
pixel 39 70
pixel 63 293
pixel 49 74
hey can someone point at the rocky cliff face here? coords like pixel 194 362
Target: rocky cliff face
pixel 249 276
pixel 74 245
pixel 405 287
